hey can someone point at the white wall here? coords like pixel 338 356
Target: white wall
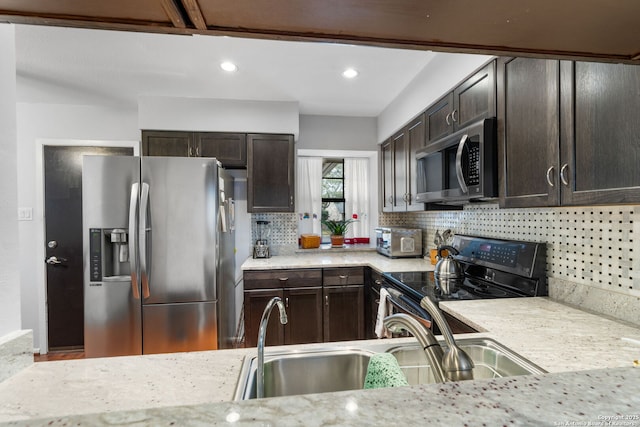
pixel 59 124
pixel 337 133
pixel 440 75
pixel 9 271
pixel 223 115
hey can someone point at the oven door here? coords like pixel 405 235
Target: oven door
pixel 403 304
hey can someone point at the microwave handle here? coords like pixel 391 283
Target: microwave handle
pixel 459 175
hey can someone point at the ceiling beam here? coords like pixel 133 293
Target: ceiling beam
pixel 195 14
pixel 173 12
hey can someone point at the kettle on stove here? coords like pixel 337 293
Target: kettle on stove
pixel 448 272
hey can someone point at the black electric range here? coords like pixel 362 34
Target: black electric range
pixel 493 268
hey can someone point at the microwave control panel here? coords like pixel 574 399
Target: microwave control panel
pixel 473 178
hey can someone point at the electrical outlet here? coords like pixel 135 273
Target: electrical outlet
pixel 25 214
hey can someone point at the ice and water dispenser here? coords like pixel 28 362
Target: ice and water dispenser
pixel 109 258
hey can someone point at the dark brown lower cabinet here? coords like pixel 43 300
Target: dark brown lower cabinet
pixel 343 313
pixel 254 303
pixel 300 290
pixel 322 305
pixel 304 313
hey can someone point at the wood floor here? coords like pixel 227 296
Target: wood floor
pixel 59 355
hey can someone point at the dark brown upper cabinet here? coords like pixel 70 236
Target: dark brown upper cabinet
pixel 229 148
pixel 167 143
pixel 387 177
pixel 270 173
pixel 601 128
pixel 472 100
pixel 398 157
pixel 569 132
pixel 528 131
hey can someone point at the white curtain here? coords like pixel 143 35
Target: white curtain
pixel 356 194
pixel 309 195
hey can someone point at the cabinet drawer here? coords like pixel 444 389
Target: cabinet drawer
pixel 343 276
pixel 273 279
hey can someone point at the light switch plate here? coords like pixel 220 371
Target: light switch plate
pixel 25 214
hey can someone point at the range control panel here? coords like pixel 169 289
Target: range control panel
pixel 522 258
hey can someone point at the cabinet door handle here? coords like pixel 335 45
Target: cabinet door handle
pixel 190 151
pixel 197 151
pixel 283 279
pixel 390 199
pixel 563 176
pixel 290 200
pixel 286 302
pixel 549 171
pixel 326 300
pixel 453 115
pixel 447 119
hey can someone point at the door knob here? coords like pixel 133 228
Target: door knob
pixel 53 260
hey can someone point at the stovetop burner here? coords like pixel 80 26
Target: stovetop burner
pixel 421 284
pixel 493 268
pixel 484 289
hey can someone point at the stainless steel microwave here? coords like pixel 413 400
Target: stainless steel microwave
pixel 460 167
pixel 396 242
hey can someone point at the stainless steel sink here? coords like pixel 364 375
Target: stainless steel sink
pixel 491 360
pixel 338 369
pixel 318 371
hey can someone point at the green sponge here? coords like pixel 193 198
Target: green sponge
pixel 384 371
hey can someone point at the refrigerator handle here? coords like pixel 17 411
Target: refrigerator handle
pixel 133 259
pixel 142 237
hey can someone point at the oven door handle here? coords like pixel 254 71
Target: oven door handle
pixel 459 174
pixel 398 300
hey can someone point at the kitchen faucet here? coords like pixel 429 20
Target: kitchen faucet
pixel 457 364
pixel 432 349
pixel 450 365
pixel 262 332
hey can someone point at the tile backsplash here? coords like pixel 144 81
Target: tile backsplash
pixel 593 256
pixel 590 250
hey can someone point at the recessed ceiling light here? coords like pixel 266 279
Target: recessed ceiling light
pixel 229 66
pixel 350 73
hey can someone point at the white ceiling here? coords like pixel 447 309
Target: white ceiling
pixel 65 65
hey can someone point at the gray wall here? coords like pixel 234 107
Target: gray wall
pixel 337 133
pixel 9 276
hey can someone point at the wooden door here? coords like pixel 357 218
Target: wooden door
pixel 63 237
pixel 255 302
pixel 343 313
pixel 475 98
pixel 168 143
pixel 601 110
pixel 528 132
pixel 415 141
pixel 386 176
pixel 270 173
pixel 304 311
pixel 438 119
pixel 229 148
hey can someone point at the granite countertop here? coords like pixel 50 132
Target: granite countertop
pixel 323 259
pixel 589 357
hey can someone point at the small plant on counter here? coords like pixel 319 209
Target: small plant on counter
pixel 337 228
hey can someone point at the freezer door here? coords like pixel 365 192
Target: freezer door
pixel 113 324
pixel 179 327
pixel 178 229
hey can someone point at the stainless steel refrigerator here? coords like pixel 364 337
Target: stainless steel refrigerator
pixel 159 260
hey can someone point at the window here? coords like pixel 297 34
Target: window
pixel 333 202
